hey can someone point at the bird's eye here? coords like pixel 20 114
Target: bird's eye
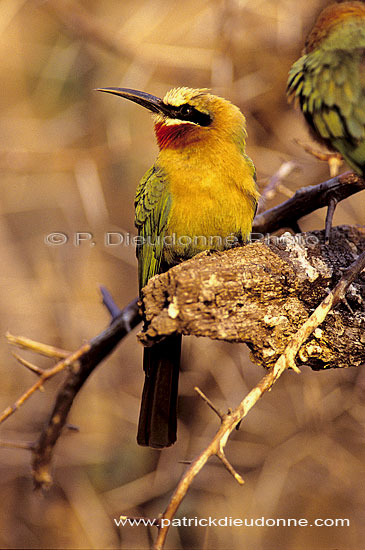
pixel 186 110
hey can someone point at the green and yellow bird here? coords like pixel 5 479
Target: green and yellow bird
pixel 329 81
pixel 200 194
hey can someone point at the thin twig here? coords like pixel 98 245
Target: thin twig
pixel 109 303
pixel 26 445
pixel 71 359
pixel 231 420
pixel 273 186
pixel 209 403
pixel 37 347
pixel 28 364
pixel 229 467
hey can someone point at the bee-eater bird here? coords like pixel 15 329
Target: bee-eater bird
pixel 200 193
pixel 329 81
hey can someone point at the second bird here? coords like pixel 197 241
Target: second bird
pixel 329 81
pixel 200 194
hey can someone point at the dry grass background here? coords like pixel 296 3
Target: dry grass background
pixel 70 159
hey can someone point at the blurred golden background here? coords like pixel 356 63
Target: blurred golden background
pixel 70 160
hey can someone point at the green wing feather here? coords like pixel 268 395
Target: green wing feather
pixel 153 205
pixel 241 144
pixel 329 85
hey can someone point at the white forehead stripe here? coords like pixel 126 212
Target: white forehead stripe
pixel 180 96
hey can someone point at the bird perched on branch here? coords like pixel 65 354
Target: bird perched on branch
pixel 200 194
pixel 329 81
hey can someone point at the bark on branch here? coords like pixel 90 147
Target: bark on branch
pixel 261 294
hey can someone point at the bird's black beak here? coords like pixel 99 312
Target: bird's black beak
pixel 150 102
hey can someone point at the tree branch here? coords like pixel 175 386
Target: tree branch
pixel 98 348
pixel 306 200
pixel 260 294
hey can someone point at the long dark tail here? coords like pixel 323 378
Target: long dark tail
pixel 157 418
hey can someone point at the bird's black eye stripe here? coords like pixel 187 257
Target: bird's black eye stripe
pixel 191 114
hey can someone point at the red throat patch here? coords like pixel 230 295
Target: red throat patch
pixel 175 136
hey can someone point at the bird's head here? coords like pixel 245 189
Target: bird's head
pixel 186 115
pixel 333 17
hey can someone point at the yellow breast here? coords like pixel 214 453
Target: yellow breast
pixel 213 198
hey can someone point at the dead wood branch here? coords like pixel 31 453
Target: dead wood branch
pixel 261 294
